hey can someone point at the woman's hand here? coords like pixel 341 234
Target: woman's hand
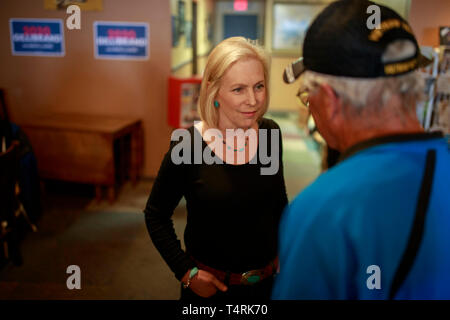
pixel 204 284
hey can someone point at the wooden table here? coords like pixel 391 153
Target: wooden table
pixel 99 150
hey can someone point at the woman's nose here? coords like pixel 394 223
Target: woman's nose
pixel 251 98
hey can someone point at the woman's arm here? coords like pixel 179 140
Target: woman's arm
pixel 166 193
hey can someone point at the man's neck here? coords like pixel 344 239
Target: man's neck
pixel 356 136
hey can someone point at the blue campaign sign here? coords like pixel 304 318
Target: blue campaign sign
pixel 37 37
pixel 121 40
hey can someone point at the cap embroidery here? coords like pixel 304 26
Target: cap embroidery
pixel 387 25
pixel 400 67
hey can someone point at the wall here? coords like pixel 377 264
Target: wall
pixel 402 7
pixel 80 83
pixel 426 16
pixel 283 96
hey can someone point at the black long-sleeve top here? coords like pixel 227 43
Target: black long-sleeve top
pixel 233 211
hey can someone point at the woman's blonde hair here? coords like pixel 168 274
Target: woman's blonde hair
pixel 222 57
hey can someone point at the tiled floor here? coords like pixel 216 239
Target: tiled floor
pixel 110 243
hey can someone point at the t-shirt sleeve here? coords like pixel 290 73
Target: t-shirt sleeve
pixel 166 193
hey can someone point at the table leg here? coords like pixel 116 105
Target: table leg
pixel 98 193
pixel 111 194
pixel 136 146
pixel 123 162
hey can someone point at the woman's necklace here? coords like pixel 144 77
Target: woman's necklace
pixel 240 150
pixel 229 148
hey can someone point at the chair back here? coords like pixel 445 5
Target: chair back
pixel 5 125
pixel 3 110
pixel 9 167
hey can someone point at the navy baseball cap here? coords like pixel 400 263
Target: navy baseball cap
pixel 339 42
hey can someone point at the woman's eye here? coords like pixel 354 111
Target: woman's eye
pixel 259 86
pixel 237 90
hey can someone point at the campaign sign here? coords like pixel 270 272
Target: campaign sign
pixel 121 40
pixel 37 37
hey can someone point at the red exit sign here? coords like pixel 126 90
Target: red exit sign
pixel 240 5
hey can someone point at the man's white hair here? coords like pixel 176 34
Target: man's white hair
pixel 370 92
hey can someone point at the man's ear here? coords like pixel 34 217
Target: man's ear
pixel 332 101
pixel 332 119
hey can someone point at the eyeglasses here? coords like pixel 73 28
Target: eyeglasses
pixel 303 97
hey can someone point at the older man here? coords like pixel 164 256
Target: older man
pixel 377 225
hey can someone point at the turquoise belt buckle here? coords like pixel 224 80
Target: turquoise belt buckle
pixel 251 277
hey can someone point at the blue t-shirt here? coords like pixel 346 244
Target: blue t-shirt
pixel 343 237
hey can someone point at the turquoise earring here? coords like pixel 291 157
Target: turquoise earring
pixel 216 103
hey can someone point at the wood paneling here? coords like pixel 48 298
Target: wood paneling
pixel 80 83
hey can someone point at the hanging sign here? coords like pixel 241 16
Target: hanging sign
pixel 121 40
pixel 37 37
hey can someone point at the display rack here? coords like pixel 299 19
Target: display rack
pixel 434 111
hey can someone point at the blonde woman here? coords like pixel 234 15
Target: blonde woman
pixel 233 205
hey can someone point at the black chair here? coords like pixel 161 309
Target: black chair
pixel 29 182
pixel 10 206
pixel 8 179
pixel 3 110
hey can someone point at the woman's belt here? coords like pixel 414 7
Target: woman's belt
pixel 246 278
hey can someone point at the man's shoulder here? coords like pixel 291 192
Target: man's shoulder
pixel 320 192
pixel 367 176
pixel 355 183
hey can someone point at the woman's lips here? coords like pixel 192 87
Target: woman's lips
pixel 249 114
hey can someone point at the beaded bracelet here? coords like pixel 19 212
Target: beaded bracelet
pixel 192 274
